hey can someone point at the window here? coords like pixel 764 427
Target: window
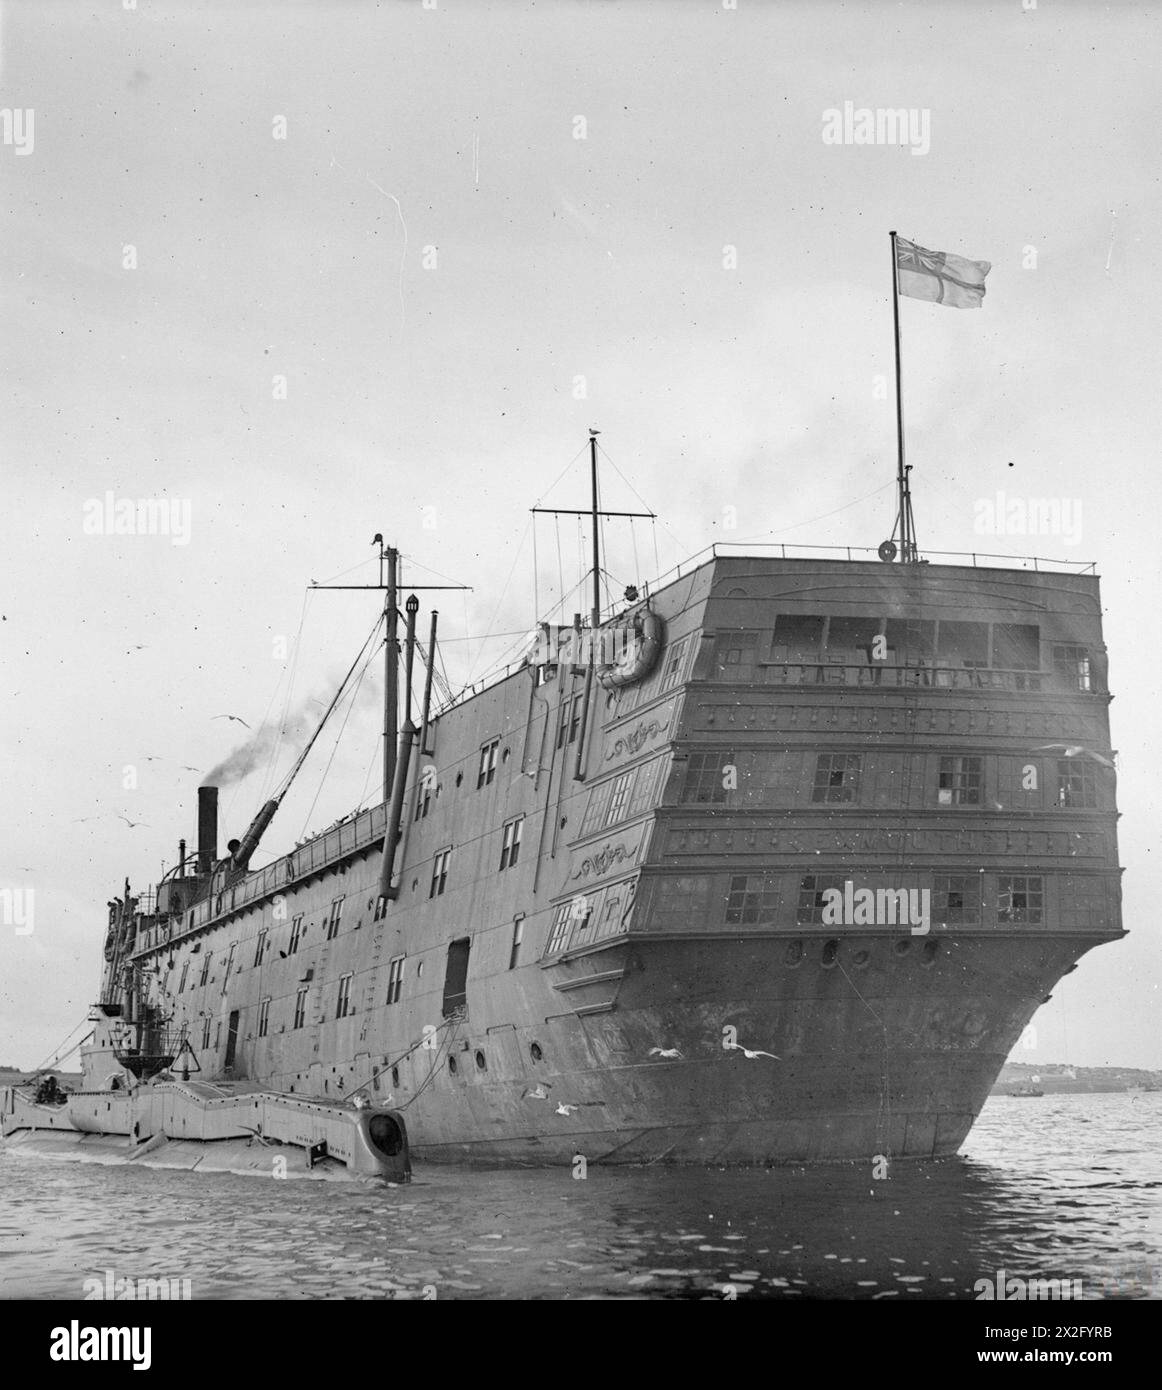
pixel 296 934
pixel 675 664
pixel 734 656
pixel 1075 783
pixel 518 931
pixel 1072 663
pixel 963 644
pixel 456 977
pixel 439 872
pixel 956 898
pixel 836 777
pixel 343 1007
pixel 851 640
pixel 618 797
pixel 798 637
pixel 185 972
pixel 229 967
pixel 811 900
pixel 424 793
pixel 959 781
pixel 487 763
pixel 1020 899
pixel 752 898
pixel 510 843
pixel 300 1006
pixel 395 980
pixel 333 919
pixel 206 1032
pixel 264 1017
pixel 706 777
pixel 576 912
pixel 205 972
pixel 1017 647
pixel 260 947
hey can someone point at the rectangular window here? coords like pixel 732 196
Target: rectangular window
pixel 487 763
pixel 205 971
pixel 675 665
pixel 1020 899
pixel 333 919
pixel 1072 663
pixel 798 637
pixel 424 792
pixel 618 797
pixel 343 1006
pixel 963 645
pixel 229 967
pixel 440 863
pixel 836 777
pixel 575 913
pixel 1017 648
pixel 260 947
pixel 264 1017
pixel 851 640
pixel 185 972
pixel 706 777
pixel 296 934
pixel 395 980
pixel 206 1032
pixel 518 932
pixel 811 899
pixel 956 898
pixel 734 656
pixel 960 781
pixel 646 786
pixel 752 898
pixel 510 843
pixel 456 978
pixel 300 1006
pixel 1076 785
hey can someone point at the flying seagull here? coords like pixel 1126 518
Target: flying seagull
pixel 564 1109
pixel 237 719
pixel 664 1052
pixel 1073 750
pixel 538 1092
pixel 132 824
pixel 738 1047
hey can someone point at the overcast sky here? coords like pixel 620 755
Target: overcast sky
pixel 489 227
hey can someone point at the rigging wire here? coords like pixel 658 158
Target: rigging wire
pixel 488 634
pixel 354 696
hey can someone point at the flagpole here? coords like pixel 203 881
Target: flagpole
pixel 901 474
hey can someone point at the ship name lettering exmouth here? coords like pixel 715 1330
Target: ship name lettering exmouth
pixel 601 863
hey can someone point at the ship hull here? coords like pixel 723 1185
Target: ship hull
pixel 892 1058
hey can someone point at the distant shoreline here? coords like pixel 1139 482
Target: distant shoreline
pixel 1056 1079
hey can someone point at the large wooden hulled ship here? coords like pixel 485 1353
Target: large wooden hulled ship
pixel 598 914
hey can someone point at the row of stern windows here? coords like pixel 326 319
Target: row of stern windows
pixel 896 778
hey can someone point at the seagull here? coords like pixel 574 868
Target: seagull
pixel 538 1092
pixel 738 1047
pixel 664 1052
pixel 564 1109
pixel 236 718
pixel 190 769
pixel 1072 750
pixel 132 824
pixel 80 820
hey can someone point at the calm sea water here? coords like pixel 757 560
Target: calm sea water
pixel 1058 1187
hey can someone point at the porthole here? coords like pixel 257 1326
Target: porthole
pixel 535 1052
pixel 830 953
pixel 930 952
pixel 395 1076
pixel 459 778
pixel 504 757
pixel 860 959
pixel 452 1065
pixel 794 952
pixel 481 1063
pixel 902 947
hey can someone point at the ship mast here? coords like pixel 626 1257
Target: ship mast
pixel 595 613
